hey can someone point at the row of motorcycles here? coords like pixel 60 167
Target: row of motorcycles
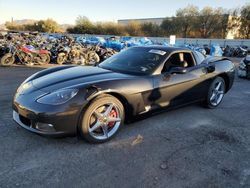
pixel 217 50
pixel 39 49
pixel 239 51
pixel 34 49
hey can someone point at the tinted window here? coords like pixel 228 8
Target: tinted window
pixel 188 58
pixel 199 57
pixel 141 61
pixel 180 59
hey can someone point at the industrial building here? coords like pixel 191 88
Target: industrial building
pixel 156 21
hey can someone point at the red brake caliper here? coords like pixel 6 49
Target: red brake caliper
pixel 114 114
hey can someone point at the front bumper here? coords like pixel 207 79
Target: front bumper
pixel 47 120
pixel 32 126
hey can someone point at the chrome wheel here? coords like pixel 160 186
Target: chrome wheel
pixel 217 93
pixel 104 121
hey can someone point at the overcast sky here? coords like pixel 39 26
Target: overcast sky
pixel 66 11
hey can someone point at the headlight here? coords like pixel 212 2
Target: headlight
pixel 58 97
pixel 242 65
pixel 24 87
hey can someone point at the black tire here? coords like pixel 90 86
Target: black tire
pixel 88 113
pixel 79 61
pixel 8 59
pixel 61 58
pixel 93 58
pixel 210 101
pixel 45 59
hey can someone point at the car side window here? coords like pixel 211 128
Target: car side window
pixel 180 59
pixel 188 58
pixel 199 57
pixel 172 61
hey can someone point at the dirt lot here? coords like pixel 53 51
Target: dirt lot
pixel 188 147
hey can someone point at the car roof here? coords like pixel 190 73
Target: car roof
pixel 168 49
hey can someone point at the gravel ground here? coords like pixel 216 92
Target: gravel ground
pixel 187 147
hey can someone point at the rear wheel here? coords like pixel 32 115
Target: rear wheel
pixel 216 92
pixel 102 119
pixel 79 61
pixel 93 58
pixel 44 59
pixel 61 58
pixel 8 59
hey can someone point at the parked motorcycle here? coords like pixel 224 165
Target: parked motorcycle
pixel 240 52
pixel 25 54
pixel 89 55
pixel 104 53
pixel 63 55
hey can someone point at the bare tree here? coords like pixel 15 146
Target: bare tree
pixel 185 19
pixel 134 29
pixel 212 22
pixel 244 30
pixel 170 27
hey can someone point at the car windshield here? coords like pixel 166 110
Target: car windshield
pixel 138 61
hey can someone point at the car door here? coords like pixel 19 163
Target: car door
pixel 178 87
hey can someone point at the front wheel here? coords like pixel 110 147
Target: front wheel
pixel 44 59
pixel 102 119
pixel 93 58
pixel 8 59
pixel 61 58
pixel 216 92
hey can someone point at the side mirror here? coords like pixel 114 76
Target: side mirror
pixel 178 70
pixel 210 68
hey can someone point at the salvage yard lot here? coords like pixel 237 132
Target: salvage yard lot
pixel 187 147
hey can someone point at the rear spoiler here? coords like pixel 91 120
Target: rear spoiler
pixel 212 59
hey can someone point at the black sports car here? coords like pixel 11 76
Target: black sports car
pixel 95 101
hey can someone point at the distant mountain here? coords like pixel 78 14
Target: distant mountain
pixel 24 21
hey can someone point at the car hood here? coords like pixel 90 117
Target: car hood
pixel 72 76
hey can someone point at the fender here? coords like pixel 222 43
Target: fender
pixel 137 106
pixel 43 52
pixel 93 91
